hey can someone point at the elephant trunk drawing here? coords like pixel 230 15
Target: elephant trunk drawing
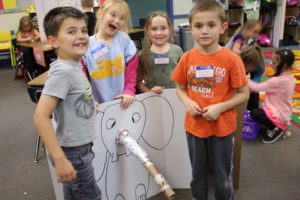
pixel 131 144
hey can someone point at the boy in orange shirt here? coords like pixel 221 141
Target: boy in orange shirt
pixel 211 81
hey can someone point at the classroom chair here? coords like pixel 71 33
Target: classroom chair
pixel 6 45
pixel 34 94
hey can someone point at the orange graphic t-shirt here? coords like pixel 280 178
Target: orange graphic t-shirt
pixel 210 79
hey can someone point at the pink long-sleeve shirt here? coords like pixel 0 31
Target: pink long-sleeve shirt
pixel 279 95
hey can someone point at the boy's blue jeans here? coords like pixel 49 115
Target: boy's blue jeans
pixel 85 186
pixel 214 152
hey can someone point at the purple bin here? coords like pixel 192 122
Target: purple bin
pixel 250 127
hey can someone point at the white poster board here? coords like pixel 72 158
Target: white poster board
pixel 156 123
pixel 43 6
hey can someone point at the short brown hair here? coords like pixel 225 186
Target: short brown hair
pixel 55 18
pixel 252 55
pixel 208 5
pixel 87 3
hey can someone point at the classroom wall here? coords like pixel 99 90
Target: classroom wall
pixel 140 9
pixel 10 21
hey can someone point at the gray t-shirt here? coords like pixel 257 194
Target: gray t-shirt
pixel 74 113
pixel 162 67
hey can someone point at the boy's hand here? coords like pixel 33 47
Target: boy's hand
pixel 97 107
pixel 65 171
pixel 212 112
pixel 157 89
pixel 127 100
pixel 192 107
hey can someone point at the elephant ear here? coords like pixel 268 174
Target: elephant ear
pixel 159 123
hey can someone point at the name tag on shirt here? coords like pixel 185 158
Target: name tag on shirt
pixel 99 51
pixel 160 59
pixel 204 71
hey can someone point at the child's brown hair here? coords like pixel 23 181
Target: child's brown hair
pixel 208 5
pixel 143 72
pixel 287 59
pixel 252 56
pixel 87 3
pixel 23 20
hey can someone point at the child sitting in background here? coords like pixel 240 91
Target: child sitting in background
pixel 26 31
pixel 158 58
pixel 255 66
pixel 276 113
pixel 248 31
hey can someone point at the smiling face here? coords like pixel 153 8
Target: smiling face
pixel 159 31
pixel 206 28
pixel 113 20
pixel 72 39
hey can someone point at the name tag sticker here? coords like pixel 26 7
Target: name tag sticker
pixel 161 59
pixel 204 71
pixel 99 51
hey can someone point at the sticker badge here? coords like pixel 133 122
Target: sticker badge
pixel 204 71
pixel 99 51
pixel 160 59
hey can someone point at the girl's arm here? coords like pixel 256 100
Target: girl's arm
pixel 20 39
pixel 237 47
pixel 131 76
pixel 258 87
pixel 64 168
pixel 37 35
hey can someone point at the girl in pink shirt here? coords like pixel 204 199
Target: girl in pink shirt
pixel 276 113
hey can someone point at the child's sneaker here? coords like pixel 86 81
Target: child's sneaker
pixel 272 136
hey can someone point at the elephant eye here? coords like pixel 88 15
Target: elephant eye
pixel 110 123
pixel 135 117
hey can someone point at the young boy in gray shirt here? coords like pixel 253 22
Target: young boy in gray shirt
pixel 67 94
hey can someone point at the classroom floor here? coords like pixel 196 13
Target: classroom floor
pixel 268 172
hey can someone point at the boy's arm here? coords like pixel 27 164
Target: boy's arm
pixel 191 106
pixel 64 168
pixel 212 112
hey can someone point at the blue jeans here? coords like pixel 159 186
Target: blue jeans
pixel 85 186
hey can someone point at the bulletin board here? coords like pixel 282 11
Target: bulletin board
pixel 7 6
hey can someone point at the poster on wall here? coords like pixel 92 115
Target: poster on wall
pixel 7 6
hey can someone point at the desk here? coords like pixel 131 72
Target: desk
pixel 41 45
pixel 39 81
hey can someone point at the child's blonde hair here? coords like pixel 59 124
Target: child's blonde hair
pixel 252 56
pixel 144 68
pixel 110 3
pixel 208 5
pixel 23 20
pixel 249 24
